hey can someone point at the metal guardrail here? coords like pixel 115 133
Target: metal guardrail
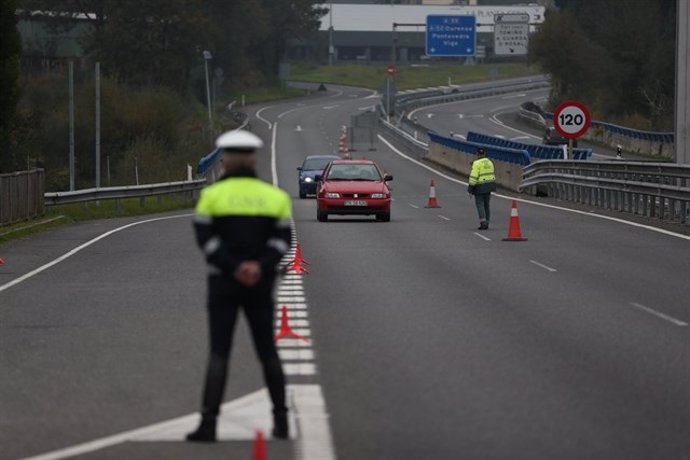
pixel 425 98
pixel 118 193
pixel 659 190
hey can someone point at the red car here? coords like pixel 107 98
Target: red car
pixel 353 187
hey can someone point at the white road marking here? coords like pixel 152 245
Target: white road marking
pixel 443 217
pixel 298 128
pixel 238 420
pixel 535 203
pixel 513 96
pixel 289 111
pixel 274 167
pixel 293 343
pixel 295 322
pixel 263 119
pixel 288 299
pixel 79 248
pixel 294 306
pixel 413 205
pixel 297 313
pixel 658 314
pixel 329 107
pixel 545 267
pixel 485 238
pixel 296 355
pixel 299 368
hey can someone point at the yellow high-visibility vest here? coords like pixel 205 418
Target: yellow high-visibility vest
pixel 482 172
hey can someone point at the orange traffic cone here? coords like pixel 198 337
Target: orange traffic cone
pixel 259 446
pixel 514 233
pixel 296 264
pixel 432 203
pixel 285 330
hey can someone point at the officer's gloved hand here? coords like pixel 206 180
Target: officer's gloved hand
pixel 248 273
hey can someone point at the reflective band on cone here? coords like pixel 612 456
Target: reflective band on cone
pixel 514 233
pixel 433 202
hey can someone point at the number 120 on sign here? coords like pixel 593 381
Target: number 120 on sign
pixel 571 119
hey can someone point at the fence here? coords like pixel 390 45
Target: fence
pixel 659 190
pixel 21 195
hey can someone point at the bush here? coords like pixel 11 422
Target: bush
pixel 154 125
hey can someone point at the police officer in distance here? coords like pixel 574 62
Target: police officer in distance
pixel 482 182
pixel 243 226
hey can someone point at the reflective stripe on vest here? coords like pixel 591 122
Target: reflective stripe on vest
pixel 244 196
pixel 482 171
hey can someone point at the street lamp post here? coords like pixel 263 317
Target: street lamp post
pixel 207 57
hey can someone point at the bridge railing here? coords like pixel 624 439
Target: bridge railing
pixel 659 190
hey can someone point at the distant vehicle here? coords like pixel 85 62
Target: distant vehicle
pixel 311 166
pixel 553 137
pixel 353 187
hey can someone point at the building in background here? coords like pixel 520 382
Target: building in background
pixel 363 32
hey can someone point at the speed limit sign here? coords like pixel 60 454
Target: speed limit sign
pixel 571 119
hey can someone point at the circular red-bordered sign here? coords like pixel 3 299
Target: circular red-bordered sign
pixel 571 119
pixel 391 69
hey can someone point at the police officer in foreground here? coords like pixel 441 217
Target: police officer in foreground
pixel 481 183
pixel 243 226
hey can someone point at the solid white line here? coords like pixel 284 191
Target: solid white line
pixel 289 111
pixel 443 217
pixel 274 168
pixel 658 314
pixel 546 267
pixel 315 440
pixel 513 96
pixel 63 257
pixel 485 238
pixel 263 119
pixel 543 205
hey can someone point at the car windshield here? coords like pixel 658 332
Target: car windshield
pixel 316 163
pixel 354 172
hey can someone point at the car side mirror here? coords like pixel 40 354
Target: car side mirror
pixel 299 168
pixel 387 177
pixel 318 177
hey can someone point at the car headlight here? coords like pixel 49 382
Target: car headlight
pixel 332 195
pixel 378 195
pixel 308 179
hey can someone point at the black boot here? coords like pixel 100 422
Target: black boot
pixel 206 432
pixel 280 425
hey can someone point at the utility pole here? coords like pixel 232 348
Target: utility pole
pixel 682 130
pixel 98 124
pixel 71 125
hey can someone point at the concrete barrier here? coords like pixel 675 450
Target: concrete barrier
pixel 508 175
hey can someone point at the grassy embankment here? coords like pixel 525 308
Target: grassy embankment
pixel 369 76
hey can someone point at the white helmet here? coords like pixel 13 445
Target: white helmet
pixel 239 141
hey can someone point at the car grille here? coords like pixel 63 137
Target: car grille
pixel 355 195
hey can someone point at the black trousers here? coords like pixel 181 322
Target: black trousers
pixel 225 299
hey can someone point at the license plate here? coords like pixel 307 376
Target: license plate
pixel 355 203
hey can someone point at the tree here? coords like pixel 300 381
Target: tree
pixel 288 19
pixel 156 42
pixel 10 51
pixel 617 55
